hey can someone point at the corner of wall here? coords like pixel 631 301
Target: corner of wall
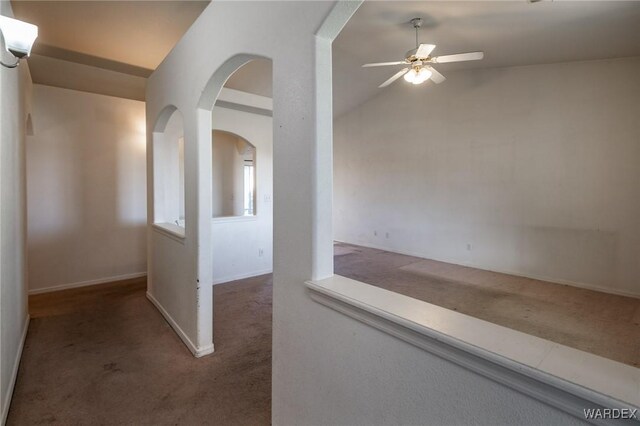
pixel 6 399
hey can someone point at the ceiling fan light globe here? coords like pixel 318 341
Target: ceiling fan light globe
pixel 421 76
pixel 410 76
pixel 424 74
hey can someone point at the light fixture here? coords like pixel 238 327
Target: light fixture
pixel 417 75
pixel 411 75
pixel 18 38
pixel 423 75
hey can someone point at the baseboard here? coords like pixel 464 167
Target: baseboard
pixel 501 271
pixel 88 283
pixel 14 373
pixel 242 276
pixel 183 336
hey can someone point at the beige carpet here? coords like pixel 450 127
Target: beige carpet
pixel 107 357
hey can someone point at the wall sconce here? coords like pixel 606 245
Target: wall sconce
pixel 18 38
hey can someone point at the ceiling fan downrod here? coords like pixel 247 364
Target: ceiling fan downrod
pixel 417 23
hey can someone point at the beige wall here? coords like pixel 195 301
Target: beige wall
pixel 86 188
pixel 229 152
pixel 226 161
pixel 531 170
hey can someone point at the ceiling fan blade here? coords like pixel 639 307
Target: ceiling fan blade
pixel 436 77
pixel 394 77
pixel 472 56
pixel 424 50
pixel 384 64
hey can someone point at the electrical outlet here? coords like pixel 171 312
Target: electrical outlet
pixel 260 252
pixel 267 198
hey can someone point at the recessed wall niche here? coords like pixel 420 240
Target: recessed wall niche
pixel 168 169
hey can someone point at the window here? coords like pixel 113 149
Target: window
pixel 249 188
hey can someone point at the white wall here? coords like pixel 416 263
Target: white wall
pixel 327 368
pixel 530 170
pixel 15 99
pixel 243 246
pixel 86 189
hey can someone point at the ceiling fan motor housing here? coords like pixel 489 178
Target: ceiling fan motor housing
pixel 411 55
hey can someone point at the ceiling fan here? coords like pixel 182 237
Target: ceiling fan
pixel 419 62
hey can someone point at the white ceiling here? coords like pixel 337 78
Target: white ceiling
pixel 510 33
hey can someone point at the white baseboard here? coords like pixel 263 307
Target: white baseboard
pixel 197 352
pixel 88 283
pixel 14 373
pixel 242 276
pixel 501 271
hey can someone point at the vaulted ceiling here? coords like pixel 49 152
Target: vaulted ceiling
pixel 511 33
pixel 112 46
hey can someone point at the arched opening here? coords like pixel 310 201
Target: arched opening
pixel 168 166
pixel 241 132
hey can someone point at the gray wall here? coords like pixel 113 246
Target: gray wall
pixel 15 95
pixel 529 170
pixel 339 371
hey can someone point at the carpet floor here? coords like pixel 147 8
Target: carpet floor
pixel 104 354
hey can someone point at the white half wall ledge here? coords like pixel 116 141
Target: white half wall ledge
pixel 197 352
pixel 227 219
pixel 170 230
pixel 563 377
